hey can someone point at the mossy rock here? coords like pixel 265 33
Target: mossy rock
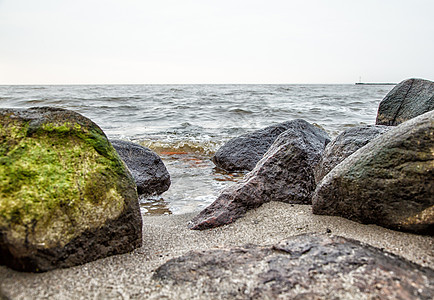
pixel 66 197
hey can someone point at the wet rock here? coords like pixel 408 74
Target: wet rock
pixel 285 173
pixel 388 182
pixel 147 168
pixel 66 196
pixel 344 145
pixel 243 153
pixel 409 99
pixel 309 266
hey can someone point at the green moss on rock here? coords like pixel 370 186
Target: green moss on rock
pixel 59 177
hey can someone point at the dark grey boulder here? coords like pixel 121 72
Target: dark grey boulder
pixel 243 153
pixel 309 266
pixel 146 166
pixel 344 145
pixel 388 182
pixel 409 99
pixel 285 173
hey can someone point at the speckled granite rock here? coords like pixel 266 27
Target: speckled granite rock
pixel 388 182
pixel 309 266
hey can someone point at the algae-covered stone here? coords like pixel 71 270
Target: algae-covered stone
pixel 66 197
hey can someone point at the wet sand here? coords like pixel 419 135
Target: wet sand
pixel 128 276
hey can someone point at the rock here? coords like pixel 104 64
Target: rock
pixel 344 145
pixel 409 99
pixel 285 173
pixel 147 168
pixel 2 295
pixel 388 182
pixel 243 153
pixel 308 266
pixel 66 197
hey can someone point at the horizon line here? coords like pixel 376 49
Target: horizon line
pixel 54 84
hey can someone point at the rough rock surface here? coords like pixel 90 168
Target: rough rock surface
pixel 285 173
pixel 243 153
pixel 147 168
pixel 409 99
pixel 389 182
pixel 309 266
pixel 66 197
pixel 344 145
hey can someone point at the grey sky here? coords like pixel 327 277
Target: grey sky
pixel 224 41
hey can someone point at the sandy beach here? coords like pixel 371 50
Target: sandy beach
pixel 164 237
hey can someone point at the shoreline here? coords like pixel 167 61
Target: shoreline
pixel 165 237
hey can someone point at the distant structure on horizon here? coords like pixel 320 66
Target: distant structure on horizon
pixel 373 83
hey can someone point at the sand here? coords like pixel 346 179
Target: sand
pixel 128 276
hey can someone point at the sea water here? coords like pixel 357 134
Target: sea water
pixel 186 124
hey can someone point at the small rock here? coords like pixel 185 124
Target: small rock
pixel 147 168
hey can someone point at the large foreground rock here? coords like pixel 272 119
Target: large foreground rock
pixel 285 173
pixel 66 197
pixel 344 145
pixel 409 99
pixel 243 153
pixel 389 182
pixel 147 168
pixel 303 267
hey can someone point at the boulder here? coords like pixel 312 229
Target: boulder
pixel 243 153
pixel 388 182
pixel 344 145
pixel 409 99
pixel 308 266
pixel 285 173
pixel 147 168
pixel 66 197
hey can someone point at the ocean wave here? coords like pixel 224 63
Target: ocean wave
pixel 206 148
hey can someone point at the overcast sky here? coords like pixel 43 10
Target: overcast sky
pixel 218 41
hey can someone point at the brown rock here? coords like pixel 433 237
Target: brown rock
pixel 285 173
pixel 309 266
